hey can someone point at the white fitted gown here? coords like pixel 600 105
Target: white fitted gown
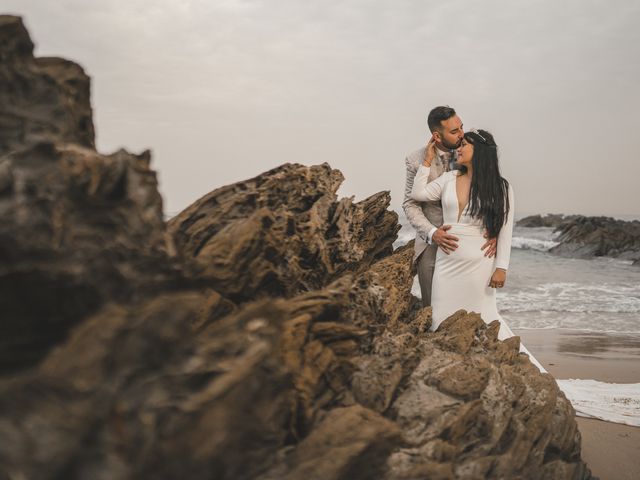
pixel 461 279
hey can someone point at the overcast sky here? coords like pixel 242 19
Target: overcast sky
pixel 223 90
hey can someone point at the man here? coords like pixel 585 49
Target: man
pixel 447 133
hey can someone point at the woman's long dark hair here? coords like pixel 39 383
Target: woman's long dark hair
pixel 489 195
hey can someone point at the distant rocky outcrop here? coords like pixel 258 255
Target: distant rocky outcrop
pixel 548 220
pixel 585 237
pixel 266 332
pixel 599 237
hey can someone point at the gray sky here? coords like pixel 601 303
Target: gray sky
pixel 223 90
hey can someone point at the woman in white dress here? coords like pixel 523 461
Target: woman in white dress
pixel 475 199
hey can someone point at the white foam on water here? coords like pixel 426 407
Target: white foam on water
pixel 621 323
pixel 573 297
pixel 612 402
pixel 538 244
pixel 603 308
pixel 577 328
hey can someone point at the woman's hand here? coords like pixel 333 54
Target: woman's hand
pixel 431 153
pixel 498 278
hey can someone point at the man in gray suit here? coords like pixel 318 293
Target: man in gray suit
pixel 447 132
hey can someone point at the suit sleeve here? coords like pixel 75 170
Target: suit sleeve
pixel 425 191
pixel 503 254
pixel 412 209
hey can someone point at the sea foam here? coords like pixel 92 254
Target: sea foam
pixel 612 402
pixel 538 244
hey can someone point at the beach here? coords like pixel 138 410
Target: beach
pixel 611 450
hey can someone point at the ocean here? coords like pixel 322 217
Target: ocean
pixel 547 291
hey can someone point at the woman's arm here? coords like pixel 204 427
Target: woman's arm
pixel 423 190
pixel 503 254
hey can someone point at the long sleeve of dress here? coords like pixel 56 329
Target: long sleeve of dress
pixel 503 253
pixel 425 191
pixel 412 209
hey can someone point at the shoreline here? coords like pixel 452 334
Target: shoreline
pixel 611 450
pixel 566 353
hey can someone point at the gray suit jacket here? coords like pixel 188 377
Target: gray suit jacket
pixel 422 216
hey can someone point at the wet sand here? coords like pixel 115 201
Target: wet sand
pixel 611 450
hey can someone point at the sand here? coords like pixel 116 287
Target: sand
pixel 611 450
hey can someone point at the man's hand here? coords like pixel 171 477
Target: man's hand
pixel 447 242
pixel 491 246
pixel 498 278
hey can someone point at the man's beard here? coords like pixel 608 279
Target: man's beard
pixel 449 145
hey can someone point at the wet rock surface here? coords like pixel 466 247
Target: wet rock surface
pixel 599 237
pixel 266 332
pixel 586 237
pixel 553 220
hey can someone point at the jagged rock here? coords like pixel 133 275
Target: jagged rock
pixel 349 443
pixel 282 232
pixel 145 405
pixel 599 236
pixel 42 99
pixel 548 220
pixel 586 237
pixel 268 331
pixel 467 412
pixel 78 228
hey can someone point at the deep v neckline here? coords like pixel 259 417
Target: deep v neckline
pixel 455 191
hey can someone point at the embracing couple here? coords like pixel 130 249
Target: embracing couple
pixel 462 210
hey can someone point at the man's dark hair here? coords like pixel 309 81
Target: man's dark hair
pixel 438 115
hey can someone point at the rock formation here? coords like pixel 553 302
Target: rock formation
pixel 266 332
pixel 548 220
pixel 585 237
pixel 78 228
pixel 599 237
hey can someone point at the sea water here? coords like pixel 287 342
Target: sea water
pixel 547 291
pixel 592 295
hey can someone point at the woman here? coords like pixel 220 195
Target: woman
pixel 475 199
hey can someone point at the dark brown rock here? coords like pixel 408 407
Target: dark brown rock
pixel 141 404
pixel 597 237
pixel 349 444
pixel 471 412
pixel 42 99
pixel 282 233
pixel 549 220
pixel 155 372
pixel 78 229
pixel 267 332
pixel 587 237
